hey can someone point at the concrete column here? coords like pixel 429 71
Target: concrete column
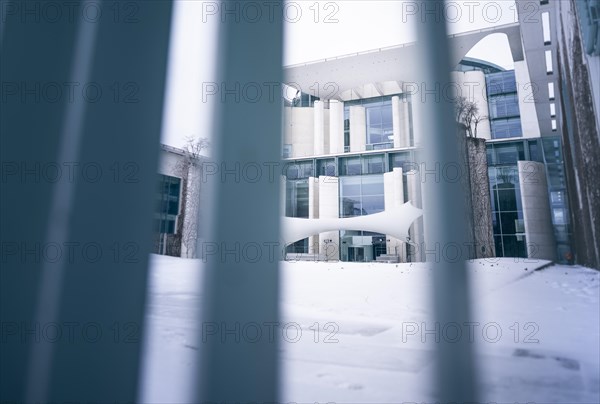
pixel 319 135
pixel 313 212
pixel 329 207
pixel 393 187
pixel 298 130
pixel 336 127
pixel 282 194
pixel 537 217
pixel 405 134
pixel 358 129
pixel 413 182
pixel 417 107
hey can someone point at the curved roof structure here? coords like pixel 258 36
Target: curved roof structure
pixel 385 69
pixel 395 222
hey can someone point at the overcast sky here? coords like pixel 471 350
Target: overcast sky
pixel 314 30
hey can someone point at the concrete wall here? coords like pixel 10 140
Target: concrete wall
pixel 480 218
pixel 336 127
pixel 190 207
pixel 581 135
pixel 358 128
pixel 527 106
pixel 313 212
pixel 393 186
pixel 319 128
pixel 537 217
pixel 413 182
pixel 329 207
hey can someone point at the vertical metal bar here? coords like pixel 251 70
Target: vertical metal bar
pixel 241 231
pixel 444 203
pixel 78 220
pixel 30 136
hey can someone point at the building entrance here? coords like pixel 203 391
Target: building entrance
pixel 356 254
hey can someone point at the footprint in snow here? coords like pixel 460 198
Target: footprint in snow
pixel 350 386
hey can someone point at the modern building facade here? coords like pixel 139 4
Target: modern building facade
pixel 178 198
pixel 355 151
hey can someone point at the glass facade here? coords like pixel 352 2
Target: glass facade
pixel 361 246
pixel 365 164
pixel 361 195
pixel 503 105
pixel 361 192
pixel 296 198
pixel 296 205
pixel 299 169
pixel 507 212
pixel 167 204
pixel 505 194
pixel 501 83
pixel 379 122
pixel 558 195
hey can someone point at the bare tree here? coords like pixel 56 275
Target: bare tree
pixel 467 113
pixel 189 168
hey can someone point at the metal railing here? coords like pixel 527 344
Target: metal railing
pixel 111 292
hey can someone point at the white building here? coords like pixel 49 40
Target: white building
pixel 351 141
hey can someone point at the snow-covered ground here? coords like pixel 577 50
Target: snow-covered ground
pixel 536 334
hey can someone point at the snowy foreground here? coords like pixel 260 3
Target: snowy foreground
pixel 536 333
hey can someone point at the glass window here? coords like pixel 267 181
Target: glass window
pixel 514 246
pixel 296 198
pixel 504 106
pixel 509 153
pixel 557 197
pixel 361 195
pixel 372 185
pixel 326 167
pixel 549 67
pixel 372 204
pixel 373 164
pixel 551 91
pixel 299 247
pixel 503 177
pixel 403 160
pixel 346 128
pixel 298 169
pixel 167 206
pixel 546 27
pixel 379 122
pixel 287 151
pixel 506 128
pixel 535 153
pixel 501 83
pixel 350 166
pixel 559 216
